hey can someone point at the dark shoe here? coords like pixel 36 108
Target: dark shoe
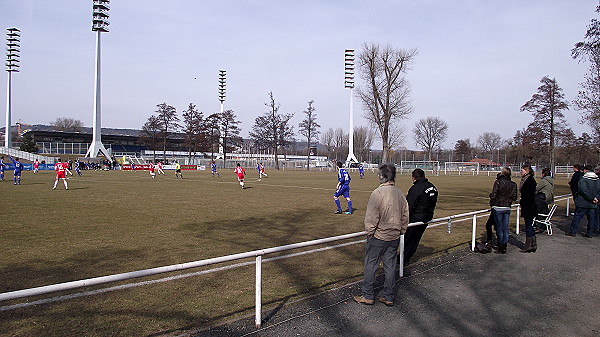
pixel 362 300
pixel 527 248
pixel 533 244
pixel 502 249
pixel 386 302
pixel 338 212
pixel 570 234
pixel 586 235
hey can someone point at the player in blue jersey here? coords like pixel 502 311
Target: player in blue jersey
pixel 2 168
pixel 78 167
pixel 213 169
pixel 361 171
pixel 17 172
pixel 343 188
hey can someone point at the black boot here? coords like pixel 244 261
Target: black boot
pixel 527 248
pixel 502 248
pixel 533 244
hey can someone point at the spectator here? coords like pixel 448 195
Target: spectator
pixel 544 194
pixel 528 208
pixel 586 202
pixel 386 219
pixel 503 194
pixel 422 198
pixel 577 174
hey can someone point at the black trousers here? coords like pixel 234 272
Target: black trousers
pixel 491 223
pixel 411 241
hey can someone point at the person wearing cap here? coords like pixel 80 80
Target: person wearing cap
pixel 586 202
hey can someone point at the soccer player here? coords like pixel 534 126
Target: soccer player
pixel 132 167
pixel 213 169
pixel 152 168
pixel 17 172
pixel 241 173
pixel 159 168
pixel 78 167
pixel 36 166
pixel 2 168
pixel 61 170
pixel 178 171
pixel 262 171
pixel 343 188
pixel 258 169
pixel 361 171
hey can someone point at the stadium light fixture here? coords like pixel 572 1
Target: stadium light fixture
pixel 13 53
pixel 222 92
pixel 349 84
pixel 99 25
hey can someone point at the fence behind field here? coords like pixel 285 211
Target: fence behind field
pixel 448 221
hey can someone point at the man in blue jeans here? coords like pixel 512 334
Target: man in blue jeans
pixel 386 220
pixel 586 202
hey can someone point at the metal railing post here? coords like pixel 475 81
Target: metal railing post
pixel 474 233
pixel 401 254
pixel 518 218
pixel 258 303
pixel 568 205
pixel 449 225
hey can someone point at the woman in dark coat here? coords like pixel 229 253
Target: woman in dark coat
pixel 528 207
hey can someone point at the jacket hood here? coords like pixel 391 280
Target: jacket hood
pixel 549 179
pixel 590 175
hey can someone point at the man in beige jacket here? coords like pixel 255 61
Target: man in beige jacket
pixel 386 220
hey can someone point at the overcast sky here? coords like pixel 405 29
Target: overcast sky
pixel 478 60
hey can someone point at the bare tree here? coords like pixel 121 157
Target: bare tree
pixel 169 123
pixel 230 132
pixel 386 92
pixel 430 133
pixel 309 128
pixel 192 128
pixel 272 130
pixel 363 139
pixel 327 141
pixel 67 124
pixel 489 141
pixel 546 107
pixel 340 142
pixel 150 133
pixel 211 125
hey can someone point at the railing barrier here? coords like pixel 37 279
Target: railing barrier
pixel 257 254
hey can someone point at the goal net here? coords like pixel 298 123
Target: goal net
pixel 408 166
pixel 461 167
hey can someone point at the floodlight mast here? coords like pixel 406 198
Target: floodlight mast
pixel 99 24
pixel 13 39
pixel 222 91
pixel 349 84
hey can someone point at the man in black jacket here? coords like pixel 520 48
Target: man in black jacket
pixel 422 197
pixel 577 174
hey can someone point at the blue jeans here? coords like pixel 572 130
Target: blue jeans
pixel 591 218
pixel 502 218
pixel 529 229
pixel 375 251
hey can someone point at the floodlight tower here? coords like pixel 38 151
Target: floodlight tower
pixel 13 38
pixel 349 84
pixel 222 84
pixel 99 25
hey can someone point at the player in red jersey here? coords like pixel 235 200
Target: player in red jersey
pixel 61 171
pixel 241 173
pixel 36 166
pixel 160 168
pixel 152 168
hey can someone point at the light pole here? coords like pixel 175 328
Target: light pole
pixel 13 38
pixel 222 84
pixel 349 84
pixel 99 25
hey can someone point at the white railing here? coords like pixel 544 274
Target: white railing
pixel 257 254
pixel 26 155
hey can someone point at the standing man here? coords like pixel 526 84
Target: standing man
pixel 361 171
pixel 577 174
pixel 385 221
pixel 422 197
pixel 78 167
pixel 213 169
pixel 36 166
pixel 343 188
pixel 262 171
pixel 241 173
pixel 17 172
pixel 2 168
pixel 61 170
pixel 586 202
pixel 160 168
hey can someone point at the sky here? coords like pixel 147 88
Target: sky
pixel 478 61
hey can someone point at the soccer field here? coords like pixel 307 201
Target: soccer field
pixel 118 221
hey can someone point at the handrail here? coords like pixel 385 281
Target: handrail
pixel 257 254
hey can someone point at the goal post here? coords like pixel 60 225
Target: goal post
pixel 461 167
pixel 432 166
